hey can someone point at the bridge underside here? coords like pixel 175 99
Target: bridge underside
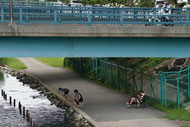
pixel 93 47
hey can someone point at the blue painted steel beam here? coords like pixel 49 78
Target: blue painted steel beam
pixel 93 47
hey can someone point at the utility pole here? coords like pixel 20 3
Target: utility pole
pixel 11 11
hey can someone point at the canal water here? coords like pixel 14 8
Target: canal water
pixel 38 105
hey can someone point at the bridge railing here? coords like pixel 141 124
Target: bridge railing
pixel 94 15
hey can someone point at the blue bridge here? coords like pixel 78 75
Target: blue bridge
pixel 62 31
pixel 57 15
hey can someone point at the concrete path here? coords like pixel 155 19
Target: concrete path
pixel 104 105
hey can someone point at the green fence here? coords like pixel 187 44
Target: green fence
pixel 113 75
pixel 181 87
pixel 165 87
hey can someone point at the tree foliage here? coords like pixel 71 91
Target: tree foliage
pixel 146 3
pixel 114 3
pixel 174 2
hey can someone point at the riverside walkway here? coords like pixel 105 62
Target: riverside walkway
pixel 104 105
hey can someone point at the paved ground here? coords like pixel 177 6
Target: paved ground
pixel 102 104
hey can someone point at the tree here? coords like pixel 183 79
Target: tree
pixel 174 2
pixel 146 3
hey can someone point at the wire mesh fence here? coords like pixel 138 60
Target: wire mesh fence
pixel 175 86
pixel 169 87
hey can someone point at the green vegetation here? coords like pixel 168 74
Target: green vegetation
pixel 172 112
pixel 13 63
pixel 51 61
pixel 185 126
pixel 146 3
pixel 143 63
pixel 129 3
pixel 117 3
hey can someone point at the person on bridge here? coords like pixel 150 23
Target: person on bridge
pixel 139 99
pixel 78 98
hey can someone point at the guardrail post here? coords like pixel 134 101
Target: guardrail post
pixel 165 90
pixel 14 102
pixel 125 79
pixel 20 106
pixel 20 16
pixel 154 17
pixel 121 17
pixel 161 89
pixel 188 89
pixel 104 71
pixel 96 68
pixel 111 73
pixel 178 90
pixel 150 89
pixel 187 20
pixel 118 76
pixel 24 112
pixel 89 17
pixel 11 11
pixel 2 92
pixel 10 100
pixel 27 115
pixel 2 16
pixel 27 19
pixel 55 17
pixel 141 81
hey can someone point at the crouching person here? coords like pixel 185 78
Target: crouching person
pixel 78 99
pixel 65 91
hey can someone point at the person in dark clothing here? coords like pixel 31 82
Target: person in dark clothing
pixel 64 90
pixel 78 98
pixel 138 99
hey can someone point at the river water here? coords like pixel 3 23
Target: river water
pixel 39 106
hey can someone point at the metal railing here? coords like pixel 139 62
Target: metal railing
pixel 57 15
pixel 180 79
pixel 172 88
pixel 114 76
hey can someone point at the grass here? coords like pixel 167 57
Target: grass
pixel 152 62
pixel 185 126
pixel 51 61
pixel 14 63
pixel 177 114
pixel 172 112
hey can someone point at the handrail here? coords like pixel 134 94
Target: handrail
pixel 26 14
